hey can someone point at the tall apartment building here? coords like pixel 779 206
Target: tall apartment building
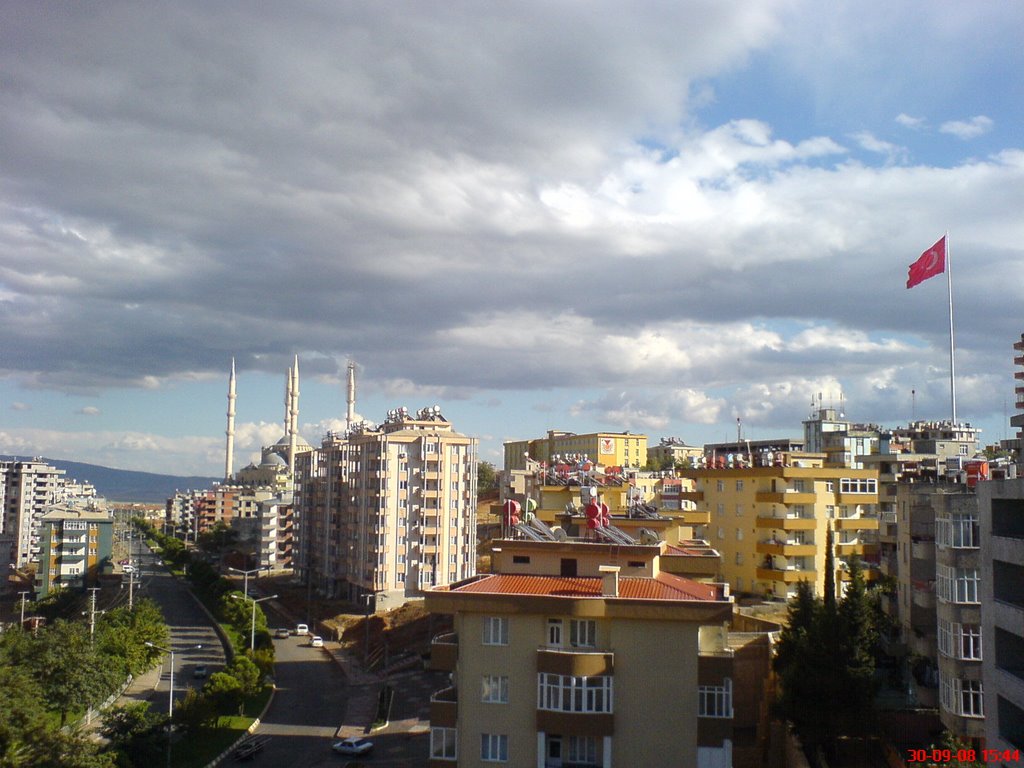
pixel 28 488
pixel 842 441
pixel 76 545
pixel 770 522
pixel 1002 595
pixel 383 513
pixel 609 449
pixel 552 662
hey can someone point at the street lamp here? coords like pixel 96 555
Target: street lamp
pixel 245 584
pixel 170 698
pixel 23 599
pixel 252 631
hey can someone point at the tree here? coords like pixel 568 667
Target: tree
pixel 136 732
pixel 224 691
pixel 248 675
pixel 22 714
pixel 486 476
pixel 69 668
pixel 830 572
pixel 857 639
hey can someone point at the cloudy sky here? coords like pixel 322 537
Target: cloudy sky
pixel 642 216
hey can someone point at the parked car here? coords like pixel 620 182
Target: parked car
pixel 282 633
pixel 128 568
pixel 301 629
pixel 316 641
pixel 352 746
pixel 199 672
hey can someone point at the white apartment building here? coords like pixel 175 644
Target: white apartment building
pixel 387 511
pixel 28 488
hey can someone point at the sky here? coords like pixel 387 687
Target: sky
pixel 586 216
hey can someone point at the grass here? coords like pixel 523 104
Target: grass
pixel 199 749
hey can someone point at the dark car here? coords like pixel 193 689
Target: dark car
pixel 199 672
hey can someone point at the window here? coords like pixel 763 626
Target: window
pixel 567 693
pixel 739 558
pixel 739 510
pixel 555 633
pixel 715 700
pixel 959 531
pixel 960 641
pixel 443 744
pixel 582 633
pixel 495 630
pixel 583 749
pixel 521 559
pixel 494 689
pixel 720 509
pixel 739 534
pixel 798 486
pixel 961 697
pixel 739 485
pixel 963 450
pixel 494 747
pixel 720 485
pixel 858 485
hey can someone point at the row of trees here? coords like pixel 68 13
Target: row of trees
pixel 61 670
pixel 825 660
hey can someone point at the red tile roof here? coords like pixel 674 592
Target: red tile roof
pixel 703 551
pixel 664 586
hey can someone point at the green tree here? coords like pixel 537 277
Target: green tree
pixel 956 746
pixel 22 714
pixel 225 692
pixel 195 710
pixel 69 668
pixel 486 476
pixel 135 732
pixel 247 673
pixel 830 572
pixel 858 637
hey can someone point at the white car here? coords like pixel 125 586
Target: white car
pixel 352 746
pixel 301 629
pixel 316 641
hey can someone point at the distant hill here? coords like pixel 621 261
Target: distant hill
pixel 124 484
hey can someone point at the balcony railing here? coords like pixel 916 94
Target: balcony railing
pixel 444 652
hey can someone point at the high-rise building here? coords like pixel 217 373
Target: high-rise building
pixel 1002 622
pixel 384 512
pixel 770 522
pixel 28 488
pixel 76 545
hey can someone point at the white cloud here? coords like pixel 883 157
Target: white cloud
pixel 914 123
pixel 968 129
pixel 19 406
pixel 88 410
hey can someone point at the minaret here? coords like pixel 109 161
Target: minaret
pixel 350 412
pixel 230 453
pixel 293 420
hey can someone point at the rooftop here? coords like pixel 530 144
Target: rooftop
pixel 664 586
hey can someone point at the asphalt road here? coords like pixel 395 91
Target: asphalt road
pixel 307 709
pixel 189 626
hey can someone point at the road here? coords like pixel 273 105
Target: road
pixel 308 706
pixel 193 638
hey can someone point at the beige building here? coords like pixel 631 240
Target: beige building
pixel 551 662
pixel 28 488
pixel 607 449
pixel 770 522
pixel 383 513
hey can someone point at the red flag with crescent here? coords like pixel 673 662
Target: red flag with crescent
pixel 931 263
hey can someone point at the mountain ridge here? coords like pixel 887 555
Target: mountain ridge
pixel 125 485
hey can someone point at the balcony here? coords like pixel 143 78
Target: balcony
pixel 694 496
pixel 856 548
pixel 784 548
pixel 785 497
pixel 855 523
pixel 869 574
pixel 580 662
pixel 786 576
pixel 923 594
pixel 444 652
pixel 692 517
pixel 444 708
pixel 786 523
pixel 856 498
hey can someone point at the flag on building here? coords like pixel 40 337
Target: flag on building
pixel 931 263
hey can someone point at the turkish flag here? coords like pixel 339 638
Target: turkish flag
pixel 931 263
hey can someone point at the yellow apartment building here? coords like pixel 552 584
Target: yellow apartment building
pixel 551 662
pixel 609 449
pixel 770 523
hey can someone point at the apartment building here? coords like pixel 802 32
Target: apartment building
pixel 551 662
pixel 1001 527
pixel 608 449
pixel 770 522
pixel 76 545
pixel 383 513
pixel 28 488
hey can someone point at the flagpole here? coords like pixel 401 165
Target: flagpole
pixel 952 364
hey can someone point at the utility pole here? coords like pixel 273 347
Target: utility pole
pixel 92 611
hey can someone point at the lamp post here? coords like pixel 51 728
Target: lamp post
pixel 23 599
pixel 245 583
pixel 170 698
pixel 252 630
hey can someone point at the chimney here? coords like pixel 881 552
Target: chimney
pixel 609 580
